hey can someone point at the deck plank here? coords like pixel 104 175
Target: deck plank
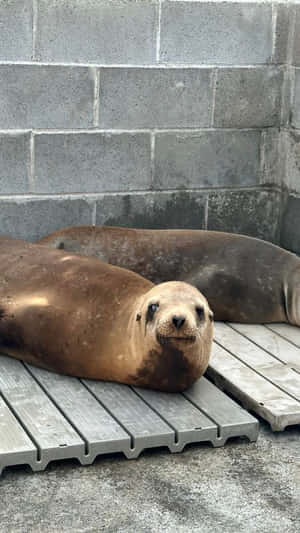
pixel 270 341
pixel 231 419
pixel 258 359
pixel 15 445
pixel 49 430
pixel 189 423
pixel 146 428
pixel 259 368
pixel 291 333
pixel 98 428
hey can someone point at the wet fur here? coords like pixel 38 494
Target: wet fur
pixel 172 372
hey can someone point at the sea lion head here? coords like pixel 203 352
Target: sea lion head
pixel 175 329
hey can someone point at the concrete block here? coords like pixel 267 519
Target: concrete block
pixel 216 32
pixel 122 31
pixel 35 96
pixel 285 112
pixel 14 163
pixel 282 30
pixel 137 98
pixel 207 159
pixel 16 30
pixel 290 235
pixel 273 157
pixel 31 219
pixel 253 212
pixel 295 110
pixel 293 161
pixel 248 97
pixel 159 210
pixel 92 162
pixel 296 44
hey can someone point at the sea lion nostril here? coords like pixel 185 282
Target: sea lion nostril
pixel 178 321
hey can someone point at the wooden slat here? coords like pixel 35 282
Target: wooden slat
pixel 15 445
pixel 258 359
pixel 146 428
pixel 241 347
pixel 291 333
pixel 100 431
pixel 189 423
pixel 253 390
pixel 232 420
pixel 270 341
pixel 48 429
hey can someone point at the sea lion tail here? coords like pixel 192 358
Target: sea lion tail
pixel 292 297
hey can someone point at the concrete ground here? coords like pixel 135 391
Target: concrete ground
pixel 241 487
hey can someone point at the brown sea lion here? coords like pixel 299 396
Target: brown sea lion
pixel 244 279
pixel 79 316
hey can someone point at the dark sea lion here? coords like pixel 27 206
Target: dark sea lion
pixel 79 316
pixel 244 279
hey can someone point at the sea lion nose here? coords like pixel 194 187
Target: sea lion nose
pixel 178 321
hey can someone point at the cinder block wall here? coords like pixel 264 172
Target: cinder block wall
pixel 149 113
pixel 290 230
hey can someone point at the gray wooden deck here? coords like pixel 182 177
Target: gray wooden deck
pixel 260 366
pixel 45 417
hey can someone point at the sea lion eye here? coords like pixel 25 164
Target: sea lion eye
pixel 200 312
pixel 152 308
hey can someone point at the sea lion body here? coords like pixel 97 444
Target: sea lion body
pixel 79 316
pixel 244 279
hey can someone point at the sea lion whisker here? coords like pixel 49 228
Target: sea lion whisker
pixel 164 339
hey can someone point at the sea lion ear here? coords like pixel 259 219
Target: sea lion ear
pixel 138 317
pixel 211 316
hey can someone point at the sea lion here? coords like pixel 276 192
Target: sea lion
pixel 79 316
pixel 244 279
